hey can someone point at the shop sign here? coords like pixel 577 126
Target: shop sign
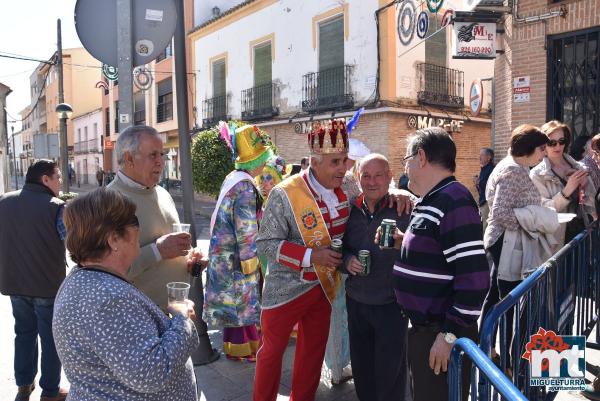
pixel 305 127
pixel 108 144
pixel 420 122
pixel 521 89
pixel 476 40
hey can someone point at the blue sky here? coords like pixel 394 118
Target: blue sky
pixel 28 28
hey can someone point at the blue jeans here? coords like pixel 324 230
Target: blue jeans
pixel 33 317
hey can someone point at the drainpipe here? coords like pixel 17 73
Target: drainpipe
pixel 561 12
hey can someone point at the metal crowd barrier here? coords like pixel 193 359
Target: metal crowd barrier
pixel 561 295
pixel 481 364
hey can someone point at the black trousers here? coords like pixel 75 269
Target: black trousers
pixel 427 386
pixel 378 350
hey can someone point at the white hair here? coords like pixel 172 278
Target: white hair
pixel 129 140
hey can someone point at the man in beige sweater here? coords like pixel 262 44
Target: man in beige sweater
pixel 164 255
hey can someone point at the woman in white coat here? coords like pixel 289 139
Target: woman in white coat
pixel 561 181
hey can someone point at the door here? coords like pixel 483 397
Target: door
pixel 573 82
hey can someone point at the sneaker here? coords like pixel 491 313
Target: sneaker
pixel 62 394
pixel 592 391
pixel 24 392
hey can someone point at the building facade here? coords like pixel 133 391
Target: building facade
pixel 550 67
pixel 26 153
pixel 87 147
pixel 284 65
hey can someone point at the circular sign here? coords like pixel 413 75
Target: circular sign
pixel 142 78
pixel 152 28
pixel 434 5
pixel 406 22
pixel 422 24
pixel 110 72
pixel 447 18
pixel 476 97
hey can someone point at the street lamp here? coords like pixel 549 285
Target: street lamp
pixel 64 112
pixel 12 128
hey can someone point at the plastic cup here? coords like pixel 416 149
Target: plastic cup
pixel 181 227
pixel 177 295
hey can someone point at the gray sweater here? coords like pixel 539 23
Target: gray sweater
pixel 375 288
pixel 115 344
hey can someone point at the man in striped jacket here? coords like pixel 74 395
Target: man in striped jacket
pixel 441 275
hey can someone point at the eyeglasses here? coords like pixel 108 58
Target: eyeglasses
pixel 553 142
pixel 406 159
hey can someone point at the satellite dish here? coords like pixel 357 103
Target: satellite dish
pixel 152 27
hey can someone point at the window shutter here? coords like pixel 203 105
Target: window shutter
pixel 139 103
pixel 165 87
pixel 218 78
pixel 436 46
pixel 262 64
pixel 331 43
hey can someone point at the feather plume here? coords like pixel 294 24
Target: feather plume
pixel 232 128
pixel 225 135
pixel 354 120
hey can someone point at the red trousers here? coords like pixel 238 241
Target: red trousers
pixel 312 312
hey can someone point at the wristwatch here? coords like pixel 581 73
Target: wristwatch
pixel 449 338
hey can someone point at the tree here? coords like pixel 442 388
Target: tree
pixel 211 162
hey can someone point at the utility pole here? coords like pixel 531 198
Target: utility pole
pixel 64 153
pixel 12 129
pixel 125 54
pixel 205 353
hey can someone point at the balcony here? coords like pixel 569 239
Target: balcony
pixel 327 90
pixel 257 102
pixel 164 112
pixel 214 110
pixel 440 86
pixel 139 117
pixel 90 146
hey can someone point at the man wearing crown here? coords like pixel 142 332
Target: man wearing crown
pixel 233 273
pixel 302 217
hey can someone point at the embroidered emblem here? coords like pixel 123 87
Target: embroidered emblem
pixel 309 220
pixel 315 239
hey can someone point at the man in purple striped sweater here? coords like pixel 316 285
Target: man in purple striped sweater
pixel 441 274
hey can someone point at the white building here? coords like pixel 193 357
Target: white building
pixel 88 146
pixel 283 64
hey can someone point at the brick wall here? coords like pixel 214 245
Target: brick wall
pixel 525 55
pixel 386 133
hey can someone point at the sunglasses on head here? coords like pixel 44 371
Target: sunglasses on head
pixel 554 142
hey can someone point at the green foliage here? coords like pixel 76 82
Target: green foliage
pixel 211 159
pixel 66 196
pixel 211 162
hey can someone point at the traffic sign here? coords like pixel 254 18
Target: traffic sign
pixel 476 97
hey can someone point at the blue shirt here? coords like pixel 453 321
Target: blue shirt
pixel 60 223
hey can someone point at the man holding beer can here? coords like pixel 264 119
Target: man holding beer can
pixel 376 324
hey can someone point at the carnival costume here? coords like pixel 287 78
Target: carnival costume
pixel 233 273
pixel 300 215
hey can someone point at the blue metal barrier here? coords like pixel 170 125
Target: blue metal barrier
pixel 561 295
pixel 481 364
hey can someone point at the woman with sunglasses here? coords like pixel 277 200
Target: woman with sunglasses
pixel 114 342
pixel 564 183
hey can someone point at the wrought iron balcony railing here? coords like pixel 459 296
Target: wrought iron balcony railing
pixel 440 86
pixel 86 146
pixel 214 110
pixel 257 102
pixel 327 90
pixel 164 112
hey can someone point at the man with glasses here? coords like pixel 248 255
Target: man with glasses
pixel 441 273
pixel 165 255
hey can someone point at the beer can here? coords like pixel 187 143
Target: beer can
pixel 364 257
pixel 386 240
pixel 336 245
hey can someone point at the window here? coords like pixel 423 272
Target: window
pixel 95 130
pixel 436 46
pixel 139 107
pixel 165 54
pixel 78 134
pixel 218 78
pixel 116 116
pixel 331 43
pixel 164 108
pixel 107 121
pixel 85 133
pixel 262 64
